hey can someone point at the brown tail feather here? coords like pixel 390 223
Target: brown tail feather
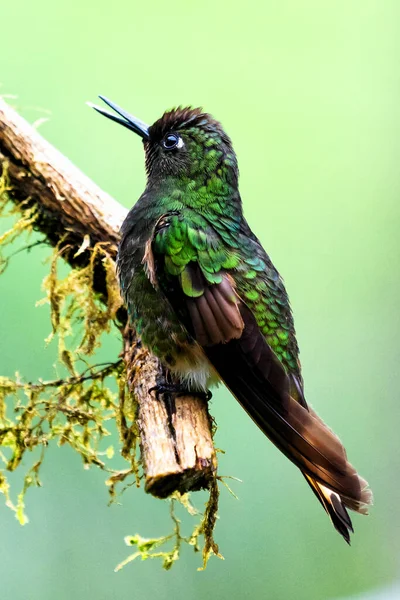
pixel 334 507
pixel 358 505
pixel 258 380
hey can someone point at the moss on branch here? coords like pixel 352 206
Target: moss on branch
pixel 81 407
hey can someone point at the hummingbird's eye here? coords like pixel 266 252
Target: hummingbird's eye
pixel 171 141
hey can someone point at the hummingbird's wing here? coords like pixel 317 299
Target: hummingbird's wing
pixel 205 281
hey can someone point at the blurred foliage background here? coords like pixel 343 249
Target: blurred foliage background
pixel 309 93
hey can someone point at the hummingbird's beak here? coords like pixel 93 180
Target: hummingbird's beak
pixel 127 120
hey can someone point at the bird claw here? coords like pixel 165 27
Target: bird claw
pixel 165 388
pixel 178 390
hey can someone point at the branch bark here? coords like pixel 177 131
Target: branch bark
pixel 177 447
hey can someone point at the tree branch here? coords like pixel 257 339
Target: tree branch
pixel 177 447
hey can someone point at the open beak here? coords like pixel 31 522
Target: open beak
pixel 124 119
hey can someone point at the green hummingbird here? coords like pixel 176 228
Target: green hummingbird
pixel 206 299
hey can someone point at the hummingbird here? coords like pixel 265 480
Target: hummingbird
pixel 206 299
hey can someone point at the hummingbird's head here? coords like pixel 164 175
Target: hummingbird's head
pixel 184 143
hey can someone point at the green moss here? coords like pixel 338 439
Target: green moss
pixel 155 547
pixel 80 408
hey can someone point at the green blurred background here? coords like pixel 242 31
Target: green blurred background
pixel 309 93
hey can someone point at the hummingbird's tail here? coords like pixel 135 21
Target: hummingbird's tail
pixel 256 377
pixel 333 505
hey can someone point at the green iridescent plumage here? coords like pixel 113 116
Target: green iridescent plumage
pixel 192 237
pixel 209 229
pixel 206 298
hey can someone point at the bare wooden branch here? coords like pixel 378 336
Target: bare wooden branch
pixel 177 447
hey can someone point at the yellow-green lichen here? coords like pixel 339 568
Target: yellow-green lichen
pixel 152 547
pixel 79 408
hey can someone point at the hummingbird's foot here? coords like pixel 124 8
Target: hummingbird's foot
pixel 166 388
pixel 178 390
